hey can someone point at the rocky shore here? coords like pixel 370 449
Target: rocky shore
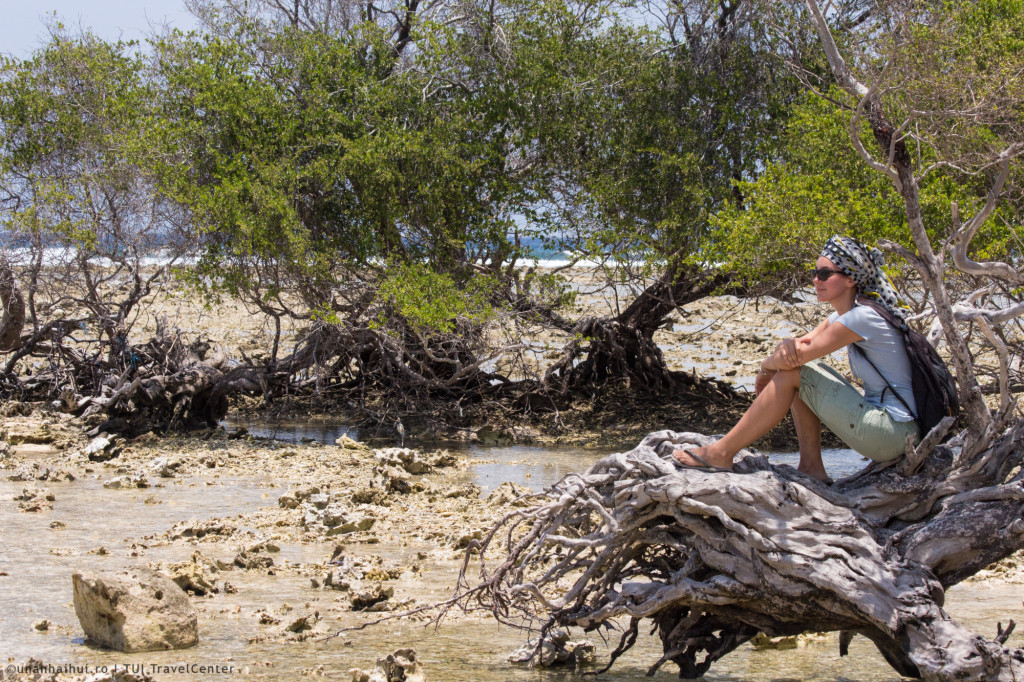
pixel 328 537
pixel 337 503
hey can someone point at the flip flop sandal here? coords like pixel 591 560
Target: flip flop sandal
pixel 703 466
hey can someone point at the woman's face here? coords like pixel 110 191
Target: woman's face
pixel 835 286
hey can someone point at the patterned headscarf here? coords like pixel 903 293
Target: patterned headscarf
pixel 864 264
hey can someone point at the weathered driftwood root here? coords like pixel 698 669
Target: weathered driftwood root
pixel 170 389
pixel 714 557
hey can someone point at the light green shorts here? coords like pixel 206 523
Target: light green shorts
pixel 868 429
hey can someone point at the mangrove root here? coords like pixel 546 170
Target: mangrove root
pixel 711 558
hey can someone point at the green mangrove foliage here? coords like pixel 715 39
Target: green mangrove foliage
pixel 385 173
pixel 80 204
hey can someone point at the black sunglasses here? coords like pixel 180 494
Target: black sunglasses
pixel 824 273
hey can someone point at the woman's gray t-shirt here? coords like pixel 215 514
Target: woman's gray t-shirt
pixel 884 346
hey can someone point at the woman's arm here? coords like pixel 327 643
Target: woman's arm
pixel 826 338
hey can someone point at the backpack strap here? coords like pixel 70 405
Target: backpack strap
pixel 891 388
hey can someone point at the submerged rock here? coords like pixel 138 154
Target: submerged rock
pixel 346 569
pixel 508 493
pixel 556 650
pixel 414 462
pixel 135 610
pixel 303 623
pixel 373 595
pixel 37 471
pixel 35 500
pixel 303 627
pixel 255 556
pixel 128 481
pixel 198 529
pixel 400 666
pixel 195 575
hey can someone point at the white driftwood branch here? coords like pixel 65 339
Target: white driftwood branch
pixel 846 80
pixel 842 72
pixel 1004 361
pixel 915 456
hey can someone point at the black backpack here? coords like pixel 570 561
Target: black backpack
pixel 934 388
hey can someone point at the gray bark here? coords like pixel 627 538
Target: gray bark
pixel 713 557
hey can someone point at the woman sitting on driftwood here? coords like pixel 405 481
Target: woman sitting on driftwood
pixel 875 423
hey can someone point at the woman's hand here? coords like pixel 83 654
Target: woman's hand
pixel 761 380
pixel 787 354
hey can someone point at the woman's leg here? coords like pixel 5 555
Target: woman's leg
pixel 808 433
pixel 868 429
pixel 764 413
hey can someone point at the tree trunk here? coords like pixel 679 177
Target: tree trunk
pixel 13 309
pixel 622 347
pixel 713 557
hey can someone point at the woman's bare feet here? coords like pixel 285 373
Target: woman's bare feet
pixel 818 472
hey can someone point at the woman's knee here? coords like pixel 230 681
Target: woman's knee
pixel 788 377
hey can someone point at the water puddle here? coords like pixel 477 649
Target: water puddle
pixel 325 431
pixel 535 467
pixel 38 558
pixel 701 325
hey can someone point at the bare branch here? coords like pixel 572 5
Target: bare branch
pixel 963 235
pixel 1004 361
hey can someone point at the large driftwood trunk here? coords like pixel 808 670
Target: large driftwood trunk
pixel 170 386
pixel 713 557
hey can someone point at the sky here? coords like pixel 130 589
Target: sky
pixel 22 28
